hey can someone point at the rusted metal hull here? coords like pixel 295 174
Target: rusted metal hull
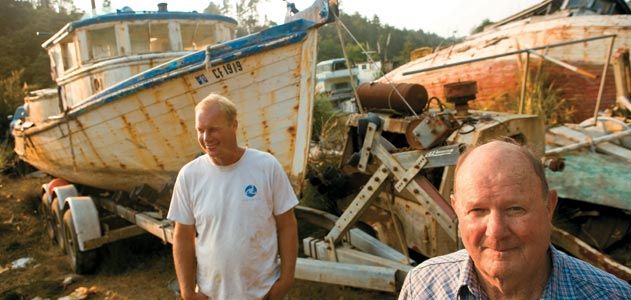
pixel 499 79
pixel 146 136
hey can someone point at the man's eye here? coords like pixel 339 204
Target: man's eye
pixel 516 210
pixel 477 211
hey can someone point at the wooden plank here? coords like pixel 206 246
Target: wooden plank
pixel 605 147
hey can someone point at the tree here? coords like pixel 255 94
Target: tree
pixel 393 44
pixel 23 61
pixel 480 28
pixel 213 8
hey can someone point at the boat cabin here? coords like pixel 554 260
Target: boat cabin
pixel 92 54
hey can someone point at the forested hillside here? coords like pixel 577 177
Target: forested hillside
pixel 387 42
pixel 22 59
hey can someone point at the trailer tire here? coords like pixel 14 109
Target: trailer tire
pixel 81 262
pixel 46 216
pixel 57 218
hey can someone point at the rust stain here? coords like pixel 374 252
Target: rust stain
pixel 158 163
pixel 134 139
pixel 175 115
pixel 153 125
pixel 90 144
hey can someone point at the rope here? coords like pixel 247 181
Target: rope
pixel 372 62
pixel 360 108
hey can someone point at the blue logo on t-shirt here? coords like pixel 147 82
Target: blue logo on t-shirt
pixel 250 190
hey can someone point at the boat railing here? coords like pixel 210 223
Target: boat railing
pixel 531 51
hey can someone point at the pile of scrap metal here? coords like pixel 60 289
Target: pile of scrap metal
pixel 594 212
pixel 403 153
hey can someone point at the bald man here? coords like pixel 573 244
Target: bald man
pixel 504 211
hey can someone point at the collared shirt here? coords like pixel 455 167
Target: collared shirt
pixel 453 276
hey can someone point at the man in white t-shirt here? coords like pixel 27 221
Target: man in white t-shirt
pixel 233 214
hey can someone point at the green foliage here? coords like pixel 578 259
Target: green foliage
pixel 213 8
pixel 389 43
pixel 21 47
pixel 11 96
pixel 543 99
pixel 7 156
pixel 480 28
pixel 246 13
pixel 323 111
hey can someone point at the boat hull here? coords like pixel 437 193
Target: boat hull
pixel 499 80
pixel 145 137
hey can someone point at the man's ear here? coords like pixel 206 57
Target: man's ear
pixel 552 202
pixel 453 201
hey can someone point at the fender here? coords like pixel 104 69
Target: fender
pixel 47 188
pixel 62 193
pixel 85 218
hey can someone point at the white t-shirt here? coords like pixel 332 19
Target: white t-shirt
pixel 233 209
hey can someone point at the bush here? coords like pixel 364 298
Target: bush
pixel 543 99
pixel 12 95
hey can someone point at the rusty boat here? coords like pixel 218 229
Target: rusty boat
pixel 569 40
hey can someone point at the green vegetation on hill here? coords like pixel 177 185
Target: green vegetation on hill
pixel 389 43
pixel 23 62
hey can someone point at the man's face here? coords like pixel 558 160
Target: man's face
pixel 504 221
pixel 215 135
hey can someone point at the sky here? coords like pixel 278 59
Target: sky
pixel 444 17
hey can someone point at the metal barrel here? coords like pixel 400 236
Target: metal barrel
pixel 380 96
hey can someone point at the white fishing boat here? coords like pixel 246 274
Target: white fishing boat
pixel 128 82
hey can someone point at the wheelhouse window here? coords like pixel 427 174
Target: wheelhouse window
pixel 324 68
pixel 339 65
pixel 102 43
pixel 68 55
pixel 149 37
pixel 196 36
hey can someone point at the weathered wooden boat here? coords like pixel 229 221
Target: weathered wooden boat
pixel 551 22
pixel 593 211
pixel 128 82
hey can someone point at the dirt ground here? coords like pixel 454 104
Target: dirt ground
pixel 138 268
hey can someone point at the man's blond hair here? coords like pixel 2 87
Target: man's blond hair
pixel 225 105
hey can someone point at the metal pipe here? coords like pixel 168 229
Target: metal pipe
pixel 565 65
pixel 359 276
pixel 508 54
pixel 524 83
pixel 602 80
pixel 598 140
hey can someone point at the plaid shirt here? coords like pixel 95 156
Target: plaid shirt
pixel 452 276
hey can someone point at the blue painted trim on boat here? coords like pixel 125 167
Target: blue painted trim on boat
pixel 266 40
pixel 134 16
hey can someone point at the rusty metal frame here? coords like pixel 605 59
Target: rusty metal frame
pixel 583 251
pixel 362 201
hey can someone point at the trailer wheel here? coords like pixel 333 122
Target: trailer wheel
pixel 57 218
pixel 81 262
pixel 46 215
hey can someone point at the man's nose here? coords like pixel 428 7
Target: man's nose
pixel 496 225
pixel 205 136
